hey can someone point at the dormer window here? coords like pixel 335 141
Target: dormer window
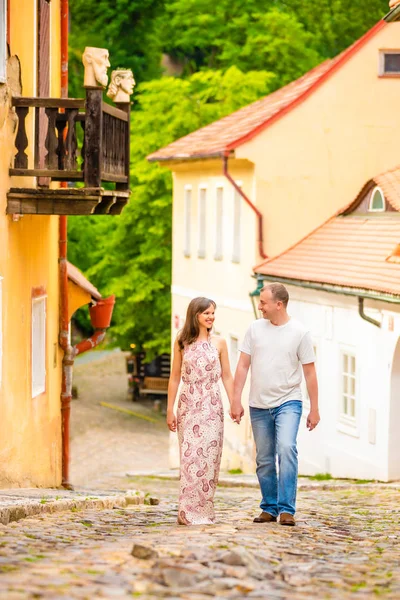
pixel 377 201
pixel 389 63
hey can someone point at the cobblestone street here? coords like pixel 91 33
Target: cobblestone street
pixel 346 545
pixel 108 441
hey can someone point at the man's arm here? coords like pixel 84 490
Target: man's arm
pixel 242 369
pixel 310 376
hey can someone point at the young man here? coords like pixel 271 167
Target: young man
pixel 278 347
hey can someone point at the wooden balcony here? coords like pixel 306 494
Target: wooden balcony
pixel 84 142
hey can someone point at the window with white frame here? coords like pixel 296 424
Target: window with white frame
pixel 389 63
pixel 202 222
pixel 187 218
pixel 348 393
pixel 38 345
pixel 3 41
pixel 237 206
pixel 1 331
pixel 377 201
pixel 233 351
pixel 219 215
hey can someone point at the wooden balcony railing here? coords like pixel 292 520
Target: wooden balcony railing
pixel 98 153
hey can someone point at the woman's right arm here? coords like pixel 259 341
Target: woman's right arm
pixel 173 385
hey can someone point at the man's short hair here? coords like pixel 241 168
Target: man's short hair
pixel 278 292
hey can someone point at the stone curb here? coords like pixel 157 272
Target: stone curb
pixel 237 481
pixel 29 508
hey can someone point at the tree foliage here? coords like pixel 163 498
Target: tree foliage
pixel 136 262
pixel 232 53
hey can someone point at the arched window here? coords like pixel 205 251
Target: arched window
pixel 377 202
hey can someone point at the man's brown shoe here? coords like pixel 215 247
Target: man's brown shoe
pixel 265 518
pixel 287 519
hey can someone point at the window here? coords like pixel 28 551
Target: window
pixel 348 399
pixel 219 223
pixel 389 63
pixel 38 345
pixel 3 41
pixel 237 205
pixel 202 222
pixel 187 218
pixel 377 202
pixel 1 332
pixel 233 351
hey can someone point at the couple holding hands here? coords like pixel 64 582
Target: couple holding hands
pixel 278 349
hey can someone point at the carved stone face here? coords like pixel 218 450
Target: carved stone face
pixel 96 63
pixel 121 86
pixel 126 81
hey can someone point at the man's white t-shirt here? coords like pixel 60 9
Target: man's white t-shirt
pixel 277 353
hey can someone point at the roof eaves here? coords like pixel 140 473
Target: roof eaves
pixel 346 55
pixel 336 289
pixel 185 156
pixel 393 15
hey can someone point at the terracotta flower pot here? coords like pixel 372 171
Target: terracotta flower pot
pixel 101 312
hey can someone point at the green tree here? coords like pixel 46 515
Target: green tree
pixel 136 263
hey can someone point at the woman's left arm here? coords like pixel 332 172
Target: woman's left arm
pixel 226 374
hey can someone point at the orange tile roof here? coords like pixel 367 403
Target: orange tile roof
pixel 75 275
pixel 226 134
pixel 349 250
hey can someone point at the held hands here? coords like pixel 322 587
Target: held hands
pixel 313 419
pixel 236 412
pixel 171 420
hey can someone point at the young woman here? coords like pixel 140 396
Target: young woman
pixel 200 360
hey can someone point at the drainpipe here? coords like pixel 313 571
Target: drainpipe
pixel 249 202
pixel 364 316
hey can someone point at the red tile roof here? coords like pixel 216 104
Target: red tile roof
pixel 233 130
pixel 350 250
pixel 80 280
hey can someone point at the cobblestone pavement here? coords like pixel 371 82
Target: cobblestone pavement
pixel 346 545
pixel 105 441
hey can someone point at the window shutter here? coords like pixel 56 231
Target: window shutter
pixel 3 41
pixel 38 346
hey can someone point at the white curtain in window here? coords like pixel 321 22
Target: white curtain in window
pixel 38 346
pixel 219 212
pixel 3 41
pixel 202 222
pixel 187 217
pixel 237 205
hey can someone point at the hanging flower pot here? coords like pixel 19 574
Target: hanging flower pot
pixel 101 312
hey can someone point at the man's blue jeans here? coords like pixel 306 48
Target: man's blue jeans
pixel 275 432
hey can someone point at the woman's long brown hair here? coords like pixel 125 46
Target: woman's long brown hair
pixel 191 329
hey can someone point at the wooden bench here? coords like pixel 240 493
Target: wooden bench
pixel 154 385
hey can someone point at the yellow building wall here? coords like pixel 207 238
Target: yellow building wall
pixel 315 159
pixel 30 428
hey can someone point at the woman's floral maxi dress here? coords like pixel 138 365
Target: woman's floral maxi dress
pixel 200 421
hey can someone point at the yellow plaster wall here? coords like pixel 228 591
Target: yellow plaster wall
pixel 77 297
pixel 315 160
pixel 30 429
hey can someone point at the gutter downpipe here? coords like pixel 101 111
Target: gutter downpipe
pixel 364 316
pixel 249 202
